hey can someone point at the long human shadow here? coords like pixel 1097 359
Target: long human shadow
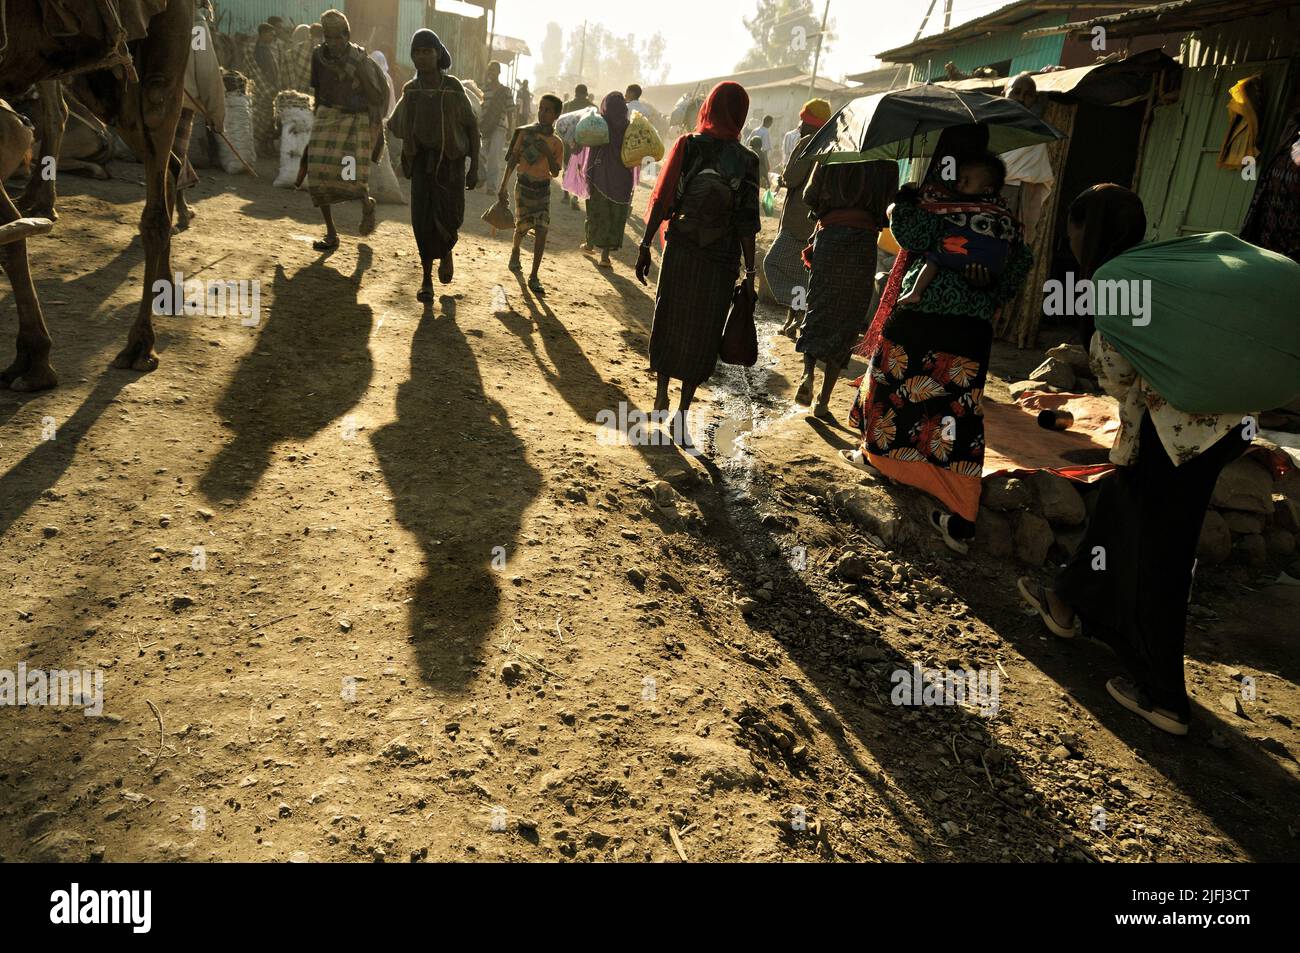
pixel 310 364
pixel 1236 788
pixel 899 748
pixel 460 482
pixel 49 459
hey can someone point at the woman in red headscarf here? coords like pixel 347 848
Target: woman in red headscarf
pixel 707 193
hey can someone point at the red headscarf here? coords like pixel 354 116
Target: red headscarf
pixel 722 116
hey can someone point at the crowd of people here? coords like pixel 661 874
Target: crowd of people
pixel 925 332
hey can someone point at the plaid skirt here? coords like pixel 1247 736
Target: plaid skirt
pixel 691 304
pixel 783 269
pixel 532 203
pixel 337 136
pixel 839 292
pixel 606 221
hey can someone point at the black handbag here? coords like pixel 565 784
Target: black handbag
pixel 739 335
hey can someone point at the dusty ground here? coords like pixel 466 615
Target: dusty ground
pixel 434 602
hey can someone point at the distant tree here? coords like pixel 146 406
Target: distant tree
pixel 547 72
pixel 607 62
pixel 785 34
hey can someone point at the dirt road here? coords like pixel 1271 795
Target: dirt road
pixel 367 582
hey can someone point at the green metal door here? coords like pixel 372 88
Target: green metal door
pixel 1201 197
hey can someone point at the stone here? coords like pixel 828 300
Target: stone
pixel 718 762
pixel 1054 373
pixel 1286 515
pixel 49 532
pixel 1058 500
pixel 872 508
pixel 1279 542
pixel 1006 494
pixel 511 672
pixel 1033 538
pixel 636 577
pixel 1076 355
pixel 60 846
pixel 399 750
pixel 993 536
pixel 1070 539
pixel 1215 544
pixel 853 567
pixel 1244 485
pixel 181 601
pixel 1021 388
pixel 1231 704
pixel 1243 524
pixel 1251 550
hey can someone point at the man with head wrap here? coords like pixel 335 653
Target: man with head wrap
pixel 347 134
pixel 439 132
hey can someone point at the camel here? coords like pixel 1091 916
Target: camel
pixel 141 97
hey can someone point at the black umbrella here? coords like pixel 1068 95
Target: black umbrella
pixel 906 124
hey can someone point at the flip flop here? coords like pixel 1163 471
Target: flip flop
pixel 939 521
pixel 1135 700
pixel 1035 595
pixel 325 244
pixel 605 264
pixel 515 266
pixel 857 461
pixel 535 286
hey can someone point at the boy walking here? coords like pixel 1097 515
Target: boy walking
pixel 536 151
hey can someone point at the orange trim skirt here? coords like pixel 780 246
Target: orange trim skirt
pixel 959 492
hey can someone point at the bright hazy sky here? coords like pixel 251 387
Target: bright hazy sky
pixel 707 37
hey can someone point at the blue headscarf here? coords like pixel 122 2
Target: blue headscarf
pixel 426 40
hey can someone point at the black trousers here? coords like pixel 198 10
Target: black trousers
pixel 1131 577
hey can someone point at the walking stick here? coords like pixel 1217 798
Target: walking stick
pixel 251 170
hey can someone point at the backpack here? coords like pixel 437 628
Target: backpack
pixel 709 193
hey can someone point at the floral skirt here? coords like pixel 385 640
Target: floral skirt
pixel 918 408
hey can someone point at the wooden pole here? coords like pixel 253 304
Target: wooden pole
pixel 812 80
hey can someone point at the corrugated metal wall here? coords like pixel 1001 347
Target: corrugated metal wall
pixel 243 16
pixel 1030 54
pixel 410 17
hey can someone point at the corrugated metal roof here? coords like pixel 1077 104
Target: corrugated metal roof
pixel 1175 17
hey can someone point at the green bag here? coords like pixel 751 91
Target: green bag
pixel 769 202
pixel 1213 327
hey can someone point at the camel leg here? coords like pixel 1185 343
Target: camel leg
pixel 39 197
pixel 31 367
pixel 151 110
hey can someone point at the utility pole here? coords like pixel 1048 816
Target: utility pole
pixel 582 54
pixel 812 80
pixel 947 15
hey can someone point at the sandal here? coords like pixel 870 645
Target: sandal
pixel 1035 595
pixel 446 270
pixel 515 266
pixel 1135 700
pixel 940 520
pixel 326 244
pixel 368 218
pixel 425 293
pixel 535 286
pixel 857 461
pixel 822 412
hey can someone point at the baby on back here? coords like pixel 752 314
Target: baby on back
pixel 969 238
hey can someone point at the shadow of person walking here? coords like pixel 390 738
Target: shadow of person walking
pixel 312 362
pixel 460 482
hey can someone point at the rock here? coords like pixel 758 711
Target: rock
pixel 1020 388
pixel 511 672
pixel 718 762
pixel 180 601
pixel 1058 500
pixel 1059 753
pixel 1244 485
pixel 1055 373
pixel 1006 494
pixel 39 821
pixel 345 625
pixel 636 577
pixel 576 494
pixel 1279 542
pixel 671 582
pixel 1033 538
pixel 60 847
pixel 1076 355
pixel 853 567
pixel 663 493
pixel 748 606
pixel 205 513
pixel 1286 515
pixel 872 508
pixel 1070 539
pixel 1243 524
pixel 398 750
pixel 1251 550
pixel 992 534
pixel 49 532
pixel 284 810
pixel 1231 704
pixel 1215 544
